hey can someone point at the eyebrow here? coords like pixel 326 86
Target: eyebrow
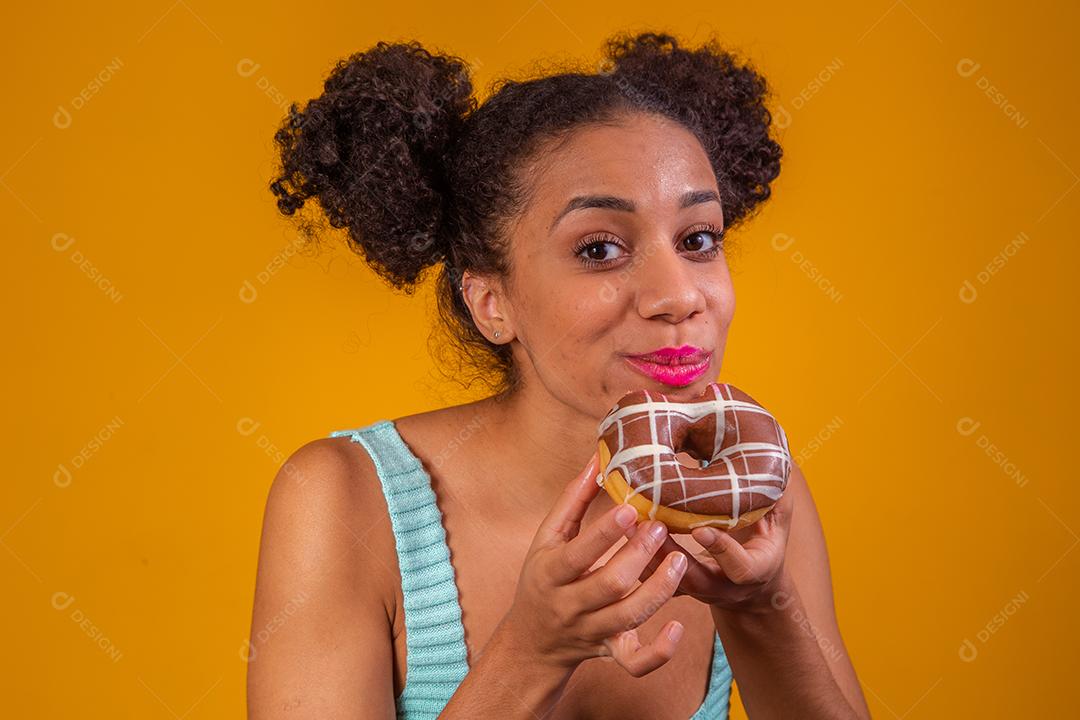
pixel 610 202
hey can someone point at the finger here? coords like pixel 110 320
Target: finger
pixel 666 547
pixel 564 518
pixel 692 578
pixel 738 564
pixel 627 533
pixel 620 573
pixel 640 660
pixel 641 604
pixel 582 552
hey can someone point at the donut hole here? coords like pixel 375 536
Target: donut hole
pixel 686 459
pixel 693 445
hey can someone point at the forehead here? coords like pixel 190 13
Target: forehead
pixel 649 160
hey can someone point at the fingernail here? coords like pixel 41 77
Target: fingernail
pixel 656 532
pixel 708 536
pixel 675 632
pixel 625 516
pixel 679 563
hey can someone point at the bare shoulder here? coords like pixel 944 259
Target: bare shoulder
pixel 326 498
pixel 321 636
pixel 320 472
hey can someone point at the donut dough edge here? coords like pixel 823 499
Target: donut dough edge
pixel 677 521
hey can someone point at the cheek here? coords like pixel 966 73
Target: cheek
pixel 725 303
pixel 586 321
pixel 573 305
pixel 721 299
pixel 568 326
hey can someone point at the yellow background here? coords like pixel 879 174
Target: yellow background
pixel 149 406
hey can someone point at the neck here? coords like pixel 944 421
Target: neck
pixel 543 440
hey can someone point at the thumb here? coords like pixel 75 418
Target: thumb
pixel 729 554
pixel 564 519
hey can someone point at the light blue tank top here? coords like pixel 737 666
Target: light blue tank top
pixel 436 658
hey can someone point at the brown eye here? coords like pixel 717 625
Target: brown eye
pixel 696 241
pixel 705 241
pixel 594 253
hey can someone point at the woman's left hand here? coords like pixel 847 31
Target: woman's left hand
pixel 740 570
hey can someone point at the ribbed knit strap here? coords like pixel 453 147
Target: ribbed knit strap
pixel 437 659
pixel 717 698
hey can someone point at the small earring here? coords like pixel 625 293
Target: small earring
pixel 497 334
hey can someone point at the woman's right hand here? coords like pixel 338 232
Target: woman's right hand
pixel 565 613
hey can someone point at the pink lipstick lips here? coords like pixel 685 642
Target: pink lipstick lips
pixel 673 366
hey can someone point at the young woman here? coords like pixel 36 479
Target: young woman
pixel 462 563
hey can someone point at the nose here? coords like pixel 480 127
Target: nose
pixel 668 288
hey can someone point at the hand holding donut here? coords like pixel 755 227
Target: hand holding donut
pixel 564 612
pixel 731 500
pixel 741 570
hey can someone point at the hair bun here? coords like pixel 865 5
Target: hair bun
pixel 714 92
pixel 372 149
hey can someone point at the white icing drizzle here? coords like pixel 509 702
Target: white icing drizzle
pixel 729 467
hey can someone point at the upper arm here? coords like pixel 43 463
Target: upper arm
pixel 808 565
pixel 320 643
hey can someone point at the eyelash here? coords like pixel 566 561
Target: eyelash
pixel 603 238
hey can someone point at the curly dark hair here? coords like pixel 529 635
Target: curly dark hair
pixel 398 151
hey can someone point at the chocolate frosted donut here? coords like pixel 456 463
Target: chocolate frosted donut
pixel 744 451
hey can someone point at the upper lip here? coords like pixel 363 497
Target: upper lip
pixel 685 355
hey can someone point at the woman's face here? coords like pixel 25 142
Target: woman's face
pixel 619 253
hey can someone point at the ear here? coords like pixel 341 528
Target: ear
pixel 486 300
